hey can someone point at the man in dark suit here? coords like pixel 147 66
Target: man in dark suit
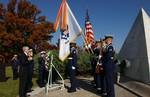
pixel 108 65
pixel 23 72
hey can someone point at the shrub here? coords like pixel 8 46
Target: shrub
pixel 84 62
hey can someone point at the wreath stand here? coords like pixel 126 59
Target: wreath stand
pixel 50 85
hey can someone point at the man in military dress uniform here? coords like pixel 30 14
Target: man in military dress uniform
pixel 108 65
pixel 96 65
pixel 42 69
pixel 72 60
pixel 15 63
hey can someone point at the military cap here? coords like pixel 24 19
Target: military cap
pixel 108 36
pixel 15 55
pixel 42 52
pixel 72 44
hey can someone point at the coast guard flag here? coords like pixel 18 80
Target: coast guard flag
pixel 69 28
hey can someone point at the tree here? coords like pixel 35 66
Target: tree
pixel 21 24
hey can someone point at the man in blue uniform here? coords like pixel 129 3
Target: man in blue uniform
pixel 15 63
pixel 97 65
pixel 108 65
pixel 93 65
pixel 72 60
pixel 41 61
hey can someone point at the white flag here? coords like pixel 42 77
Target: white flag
pixel 70 30
pixel 74 28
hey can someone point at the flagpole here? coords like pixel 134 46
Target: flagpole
pixel 83 37
pixel 87 19
pixel 86 43
pixel 81 32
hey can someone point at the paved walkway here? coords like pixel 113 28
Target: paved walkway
pixel 85 90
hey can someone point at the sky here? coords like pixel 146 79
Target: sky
pixel 108 17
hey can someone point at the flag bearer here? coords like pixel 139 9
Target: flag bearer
pixel 72 60
pixel 96 69
pixel 99 68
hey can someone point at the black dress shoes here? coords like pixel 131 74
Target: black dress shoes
pixel 104 95
pixel 71 90
pixel 30 90
pixel 99 92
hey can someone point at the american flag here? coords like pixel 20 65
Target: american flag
pixel 89 35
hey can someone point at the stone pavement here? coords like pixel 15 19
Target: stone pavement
pixel 85 90
pixel 143 90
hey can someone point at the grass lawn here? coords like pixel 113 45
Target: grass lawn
pixel 10 87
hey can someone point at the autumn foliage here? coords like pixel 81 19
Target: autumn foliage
pixel 21 24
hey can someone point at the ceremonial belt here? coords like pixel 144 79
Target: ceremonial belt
pixel 70 58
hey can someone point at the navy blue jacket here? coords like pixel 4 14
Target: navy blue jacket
pixel 108 57
pixel 73 56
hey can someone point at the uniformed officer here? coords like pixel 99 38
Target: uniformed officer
pixel 15 63
pixel 42 69
pixel 72 60
pixel 95 65
pixel 108 65
pixel 99 68
pixel 103 79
